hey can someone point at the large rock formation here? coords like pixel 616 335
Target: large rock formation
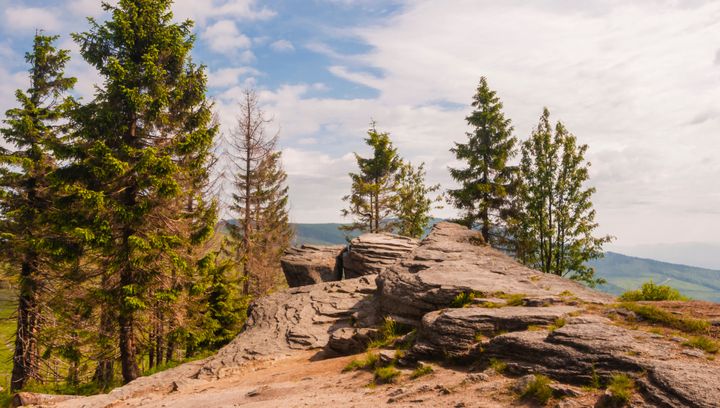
pixel 533 322
pixel 311 264
pixel 371 254
pixel 453 260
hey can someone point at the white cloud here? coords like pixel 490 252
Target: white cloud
pixel 227 77
pixel 202 11
pixel 282 46
pixel 31 18
pixel 224 36
pixel 86 8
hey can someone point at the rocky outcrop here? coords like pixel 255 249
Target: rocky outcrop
pixel 296 319
pixel 456 332
pixel 453 260
pixel 311 264
pixel 371 254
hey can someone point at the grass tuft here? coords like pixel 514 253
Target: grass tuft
pixel 512 299
pixel 385 375
pixel 538 390
pixel 703 343
pixel 621 389
pixel 498 365
pixel 369 361
pixel 649 291
pixel 421 371
pixel 559 322
pixel 390 331
pixel 464 299
pixel 667 319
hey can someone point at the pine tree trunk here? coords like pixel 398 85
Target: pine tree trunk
pixel 25 359
pixel 130 370
pixel 104 371
pixel 246 226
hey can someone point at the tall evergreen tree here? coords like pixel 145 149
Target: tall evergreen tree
pixel 262 232
pixel 413 201
pixel 29 218
pixel 483 197
pixel 148 127
pixel 556 219
pixel 373 198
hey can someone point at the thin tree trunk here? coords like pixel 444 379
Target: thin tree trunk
pixel 246 226
pixel 104 371
pixel 25 359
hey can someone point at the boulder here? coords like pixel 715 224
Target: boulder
pixel 370 254
pixel 454 332
pixel 311 264
pixel 454 260
pixel 295 319
pixel 351 340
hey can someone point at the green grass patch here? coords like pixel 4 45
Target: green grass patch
pixel 385 375
pixel 703 343
pixel 421 371
pixel 667 319
pixel 370 361
pixel 512 299
pixel 390 331
pixel 464 299
pixel 649 291
pixel 559 322
pixel 8 305
pixel 538 390
pixel 498 365
pixel 491 305
pixel 621 388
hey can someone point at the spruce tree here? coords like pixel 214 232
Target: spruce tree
pixel 413 201
pixel 138 141
pixel 262 230
pixel 556 220
pixel 485 182
pixel 373 198
pixel 29 218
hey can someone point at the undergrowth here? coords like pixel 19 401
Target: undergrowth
pixel 390 331
pixel 665 318
pixel 649 291
pixel 703 343
pixel 369 361
pixel 621 389
pixel 538 390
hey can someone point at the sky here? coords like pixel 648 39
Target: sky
pixel 639 82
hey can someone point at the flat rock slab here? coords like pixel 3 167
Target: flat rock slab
pixel 454 332
pixel 370 254
pixel 296 319
pixel 311 264
pixel 578 350
pixel 453 260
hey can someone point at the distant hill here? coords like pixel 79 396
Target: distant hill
pixel 621 271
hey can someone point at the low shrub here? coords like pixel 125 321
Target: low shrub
pixel 621 388
pixel 390 331
pixel 463 299
pixel 649 291
pixel 538 390
pixel 369 361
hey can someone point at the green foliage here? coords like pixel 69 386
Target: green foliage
pixel 385 375
pixel 370 361
pixel 652 292
pixel 667 319
pixel 421 371
pixel 512 299
pixel 703 343
pixel 389 332
pixel 463 299
pixel 553 220
pixel 413 205
pixel 486 181
pixel 498 365
pixel 621 388
pixel 373 197
pixel 538 390
pixel 559 322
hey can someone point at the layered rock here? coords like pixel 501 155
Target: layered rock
pixel 586 347
pixel 311 264
pixel 453 260
pixel 296 319
pixel 371 254
pixel 455 332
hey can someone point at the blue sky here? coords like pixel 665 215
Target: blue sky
pixel 637 81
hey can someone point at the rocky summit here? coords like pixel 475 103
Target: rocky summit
pixel 448 321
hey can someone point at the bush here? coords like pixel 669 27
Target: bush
pixel 652 292
pixel 538 390
pixel 370 361
pixel 703 343
pixel 621 388
pixel 665 318
pixel 463 300
pixel 384 375
pixel 421 371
